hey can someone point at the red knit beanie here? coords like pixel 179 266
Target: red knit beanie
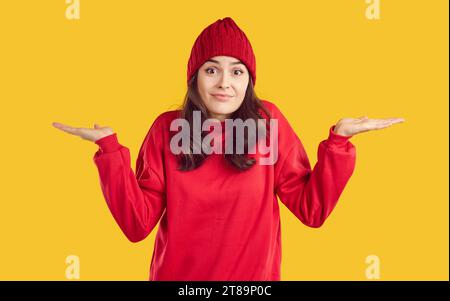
pixel 222 37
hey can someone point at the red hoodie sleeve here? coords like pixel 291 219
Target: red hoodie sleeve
pixel 135 201
pixel 311 195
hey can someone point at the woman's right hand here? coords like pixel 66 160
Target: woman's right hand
pixel 93 135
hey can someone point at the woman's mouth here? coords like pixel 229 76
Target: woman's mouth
pixel 222 97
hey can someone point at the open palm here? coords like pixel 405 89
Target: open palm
pixel 93 135
pixel 353 126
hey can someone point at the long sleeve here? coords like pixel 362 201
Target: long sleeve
pixel 311 195
pixel 136 201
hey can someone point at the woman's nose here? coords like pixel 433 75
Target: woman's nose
pixel 224 81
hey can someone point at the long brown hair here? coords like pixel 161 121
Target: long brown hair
pixel 249 109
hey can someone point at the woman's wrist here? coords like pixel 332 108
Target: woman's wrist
pixel 339 132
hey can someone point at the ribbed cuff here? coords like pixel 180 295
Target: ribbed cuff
pixel 109 143
pixel 336 139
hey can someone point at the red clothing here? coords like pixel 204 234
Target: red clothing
pixel 218 223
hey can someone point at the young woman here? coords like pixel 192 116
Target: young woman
pixel 218 212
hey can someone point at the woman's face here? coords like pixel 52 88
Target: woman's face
pixel 222 75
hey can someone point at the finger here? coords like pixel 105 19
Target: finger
pixel 71 130
pixel 376 124
pixel 382 121
pixel 58 125
pixel 387 119
pixel 389 122
pixel 374 120
pixel 397 121
pixel 383 124
pixel 66 128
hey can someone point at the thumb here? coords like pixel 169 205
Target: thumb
pixel 363 117
pixel 96 126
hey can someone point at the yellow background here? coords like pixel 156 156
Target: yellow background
pixel 124 62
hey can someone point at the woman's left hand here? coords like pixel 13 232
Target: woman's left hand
pixel 353 126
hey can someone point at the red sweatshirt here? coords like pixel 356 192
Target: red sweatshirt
pixel 215 222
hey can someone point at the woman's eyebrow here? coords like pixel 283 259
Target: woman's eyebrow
pixel 214 61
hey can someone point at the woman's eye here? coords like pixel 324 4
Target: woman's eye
pixel 212 70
